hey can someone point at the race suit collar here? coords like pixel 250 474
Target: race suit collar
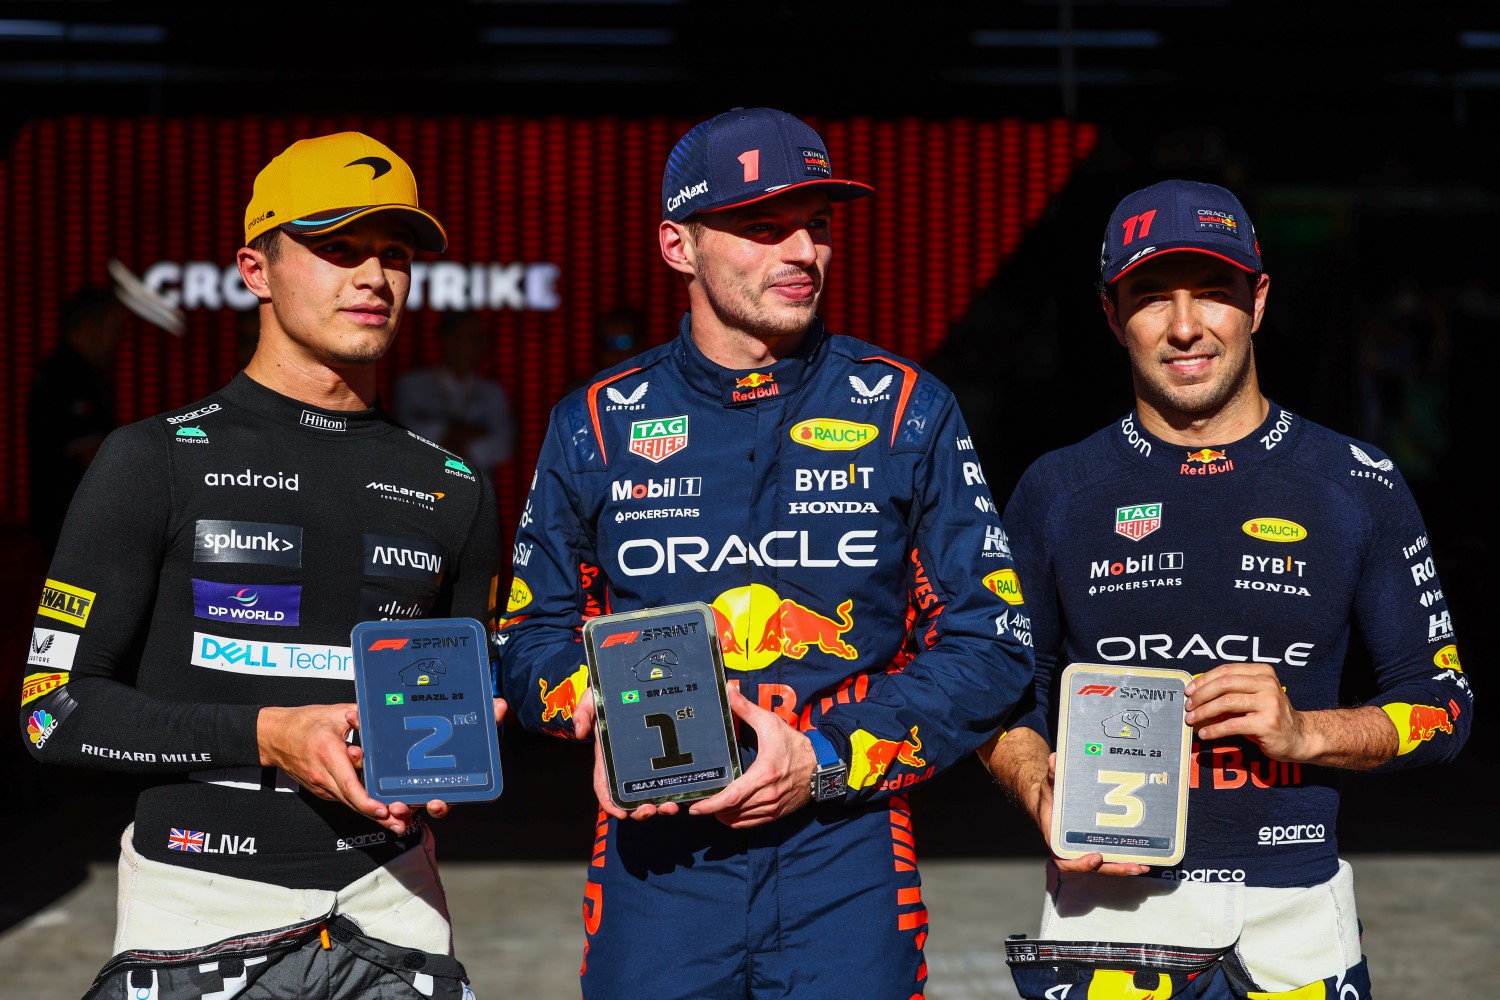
pixel 749 386
pixel 1275 437
pixel 245 392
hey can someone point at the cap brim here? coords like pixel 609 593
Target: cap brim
pixel 1247 268
pixel 838 190
pixel 426 229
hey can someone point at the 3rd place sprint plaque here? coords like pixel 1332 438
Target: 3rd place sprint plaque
pixel 1121 788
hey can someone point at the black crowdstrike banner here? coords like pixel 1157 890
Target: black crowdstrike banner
pixel 552 223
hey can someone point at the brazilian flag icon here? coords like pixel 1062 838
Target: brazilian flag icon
pixel 1093 749
pixel 630 697
pixel 395 699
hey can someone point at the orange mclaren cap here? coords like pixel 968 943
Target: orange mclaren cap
pixel 317 185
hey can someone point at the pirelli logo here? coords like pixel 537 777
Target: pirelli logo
pixel 66 603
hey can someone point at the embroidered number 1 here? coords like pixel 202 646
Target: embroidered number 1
pixel 750 159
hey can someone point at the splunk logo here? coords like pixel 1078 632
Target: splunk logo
pixel 247 542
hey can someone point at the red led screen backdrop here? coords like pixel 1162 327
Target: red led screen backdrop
pixel 552 222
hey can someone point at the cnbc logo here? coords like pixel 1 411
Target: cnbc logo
pixel 395 699
pixel 630 697
pixel 1093 749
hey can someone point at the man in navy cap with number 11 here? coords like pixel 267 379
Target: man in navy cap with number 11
pixel 822 495
pixel 1213 531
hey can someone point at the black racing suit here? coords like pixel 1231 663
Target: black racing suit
pixel 213 562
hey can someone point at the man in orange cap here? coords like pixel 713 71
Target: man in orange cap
pixel 260 512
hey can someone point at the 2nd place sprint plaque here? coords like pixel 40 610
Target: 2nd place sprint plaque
pixel 663 709
pixel 1123 747
pixel 427 723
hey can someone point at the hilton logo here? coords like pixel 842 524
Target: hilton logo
pixel 322 423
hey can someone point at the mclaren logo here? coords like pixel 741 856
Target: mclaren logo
pixel 379 164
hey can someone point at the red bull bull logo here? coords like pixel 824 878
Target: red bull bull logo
pixel 1416 724
pixel 793 629
pixel 757 626
pixel 756 385
pixel 560 702
pixel 755 380
pixel 1208 459
pixel 871 757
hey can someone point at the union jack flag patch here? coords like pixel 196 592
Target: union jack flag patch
pixel 186 840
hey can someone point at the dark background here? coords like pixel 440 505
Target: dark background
pixel 1363 144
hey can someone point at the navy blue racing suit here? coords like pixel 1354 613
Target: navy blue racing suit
pixel 831 510
pixel 1268 550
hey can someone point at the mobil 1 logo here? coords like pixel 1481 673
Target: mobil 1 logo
pixel 664 722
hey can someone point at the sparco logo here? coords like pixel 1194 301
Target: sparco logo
pixel 1298 833
pixel 247 542
pixel 649 556
pixel 270 480
pixel 191 415
pixel 322 423
pixel 387 555
pixel 1204 874
pixel 686 194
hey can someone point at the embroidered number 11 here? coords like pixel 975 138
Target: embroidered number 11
pixel 1144 219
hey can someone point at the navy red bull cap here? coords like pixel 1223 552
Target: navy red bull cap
pixel 743 156
pixel 1173 216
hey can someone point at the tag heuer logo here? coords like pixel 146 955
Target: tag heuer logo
pixel 655 440
pixel 1138 520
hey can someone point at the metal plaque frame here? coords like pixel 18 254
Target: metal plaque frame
pixel 1123 757
pixel 662 704
pixel 427 722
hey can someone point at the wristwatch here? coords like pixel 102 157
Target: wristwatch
pixel 830 774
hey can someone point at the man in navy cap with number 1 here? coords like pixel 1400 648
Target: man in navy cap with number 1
pixel 821 494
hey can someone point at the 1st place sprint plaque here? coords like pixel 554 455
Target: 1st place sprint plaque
pixel 1121 787
pixel 663 708
pixel 427 723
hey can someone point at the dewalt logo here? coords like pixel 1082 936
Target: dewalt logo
pixel 66 603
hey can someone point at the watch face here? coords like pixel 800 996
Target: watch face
pixel 831 785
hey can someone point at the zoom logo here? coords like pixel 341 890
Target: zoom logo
pixel 247 542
